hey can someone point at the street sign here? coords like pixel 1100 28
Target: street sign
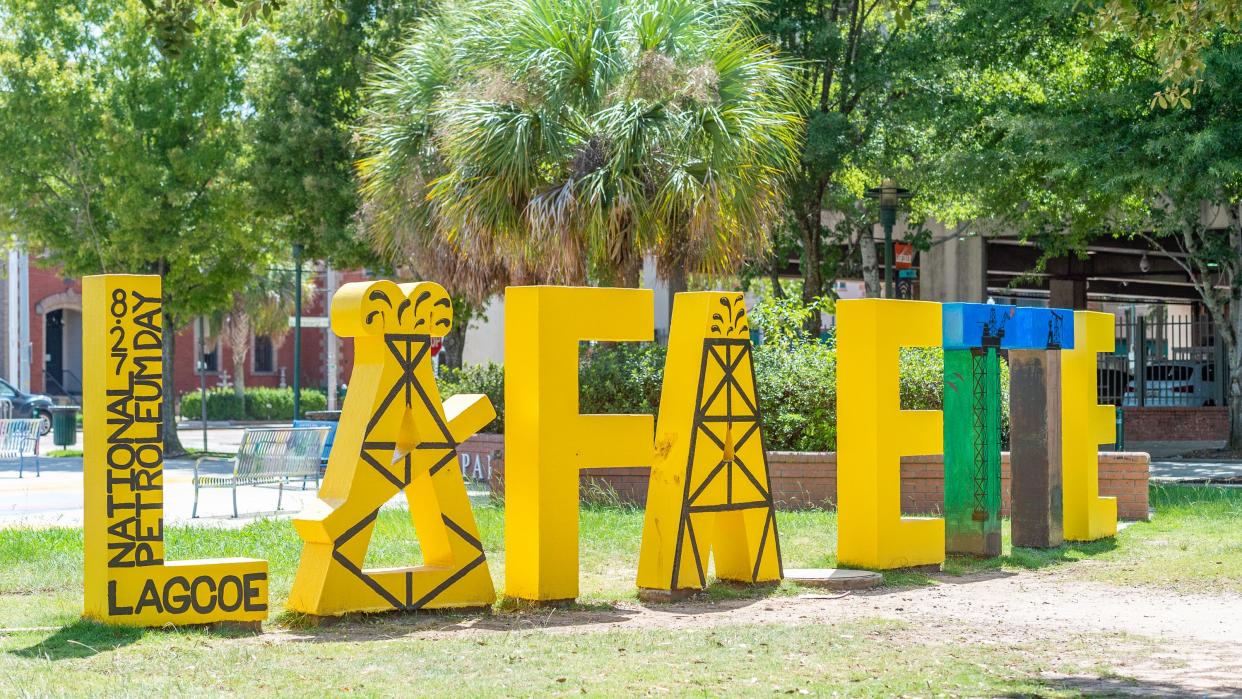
pixel 311 321
pixel 903 255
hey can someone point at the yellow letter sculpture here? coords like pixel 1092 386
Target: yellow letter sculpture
pixel 1084 426
pixel 127 580
pixel 394 436
pixel 710 491
pixel 547 441
pixel 873 433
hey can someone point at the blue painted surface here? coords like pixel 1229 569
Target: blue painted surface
pixel 968 325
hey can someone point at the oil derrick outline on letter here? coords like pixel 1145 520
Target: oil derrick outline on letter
pixel 710 489
pixel 395 436
pixel 972 450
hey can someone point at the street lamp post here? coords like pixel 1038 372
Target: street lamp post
pixel 890 197
pixel 297 330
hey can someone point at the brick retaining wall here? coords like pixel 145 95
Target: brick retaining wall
pixel 1207 424
pixel 809 479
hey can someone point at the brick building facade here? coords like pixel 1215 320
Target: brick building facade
pixel 55 358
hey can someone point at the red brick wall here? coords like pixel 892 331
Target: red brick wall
pixel 43 284
pixel 809 479
pixel 1207 424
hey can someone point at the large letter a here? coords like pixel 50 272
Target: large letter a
pixel 394 436
pixel 710 492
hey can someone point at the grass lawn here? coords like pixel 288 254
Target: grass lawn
pixel 1190 545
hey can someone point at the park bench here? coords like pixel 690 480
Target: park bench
pixel 267 456
pixel 19 439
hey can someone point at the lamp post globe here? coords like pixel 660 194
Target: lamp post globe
pixel 889 196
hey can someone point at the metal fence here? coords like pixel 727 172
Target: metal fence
pixel 1163 362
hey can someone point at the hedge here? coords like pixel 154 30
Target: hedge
pixel 796 381
pixel 260 404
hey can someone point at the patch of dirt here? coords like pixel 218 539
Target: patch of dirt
pixel 1159 643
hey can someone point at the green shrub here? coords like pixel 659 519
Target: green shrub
pixel 796 380
pixel 488 379
pixel 222 404
pixel 277 403
pixel 797 386
pixel 620 378
pixel 260 404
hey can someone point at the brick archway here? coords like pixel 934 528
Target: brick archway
pixel 59 363
pixel 69 299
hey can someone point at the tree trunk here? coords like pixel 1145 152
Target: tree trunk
pixel 677 281
pixel 238 355
pixel 870 263
pixel 1235 401
pixel 812 273
pixel 236 333
pixel 1229 325
pixel 168 340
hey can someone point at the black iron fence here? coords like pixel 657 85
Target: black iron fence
pixel 1163 362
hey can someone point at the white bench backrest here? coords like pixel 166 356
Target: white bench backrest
pixel 18 438
pixel 280 451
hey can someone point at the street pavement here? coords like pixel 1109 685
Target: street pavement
pixel 55 497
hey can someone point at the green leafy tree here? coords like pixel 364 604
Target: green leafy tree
pixel 561 140
pixel 305 85
pixel 174 23
pixel 1054 135
pixel 861 60
pixel 261 309
pixel 119 159
pixel 1178 34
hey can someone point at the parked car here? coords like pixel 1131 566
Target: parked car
pixel 1175 383
pixel 1111 385
pixel 28 405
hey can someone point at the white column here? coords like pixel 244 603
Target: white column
pixel 19 319
pixel 13 351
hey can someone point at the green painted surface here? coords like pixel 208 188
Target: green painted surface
pixel 972 451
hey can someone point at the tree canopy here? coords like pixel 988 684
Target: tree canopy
pixel 305 87
pixel 563 139
pixel 118 159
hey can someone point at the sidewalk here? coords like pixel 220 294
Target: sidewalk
pixel 1174 470
pixel 55 498
pixel 221 439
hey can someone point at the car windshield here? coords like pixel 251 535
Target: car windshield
pixel 1169 372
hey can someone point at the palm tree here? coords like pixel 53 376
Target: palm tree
pixel 562 140
pixel 262 309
